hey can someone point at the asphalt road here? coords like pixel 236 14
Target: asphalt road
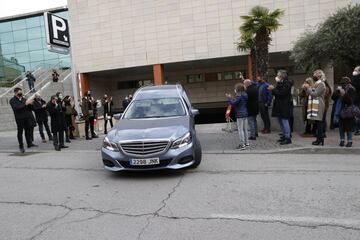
pixel 67 195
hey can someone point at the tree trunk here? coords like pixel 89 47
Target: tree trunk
pixel 262 41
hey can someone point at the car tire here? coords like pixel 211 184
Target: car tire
pixel 198 155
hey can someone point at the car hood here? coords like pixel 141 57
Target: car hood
pixel 143 129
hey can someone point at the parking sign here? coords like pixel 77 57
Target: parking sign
pixel 57 30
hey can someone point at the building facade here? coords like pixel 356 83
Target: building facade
pixel 23 45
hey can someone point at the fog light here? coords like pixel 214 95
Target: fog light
pixel 186 159
pixel 108 163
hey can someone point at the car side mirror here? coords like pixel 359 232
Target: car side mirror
pixel 195 112
pixel 117 116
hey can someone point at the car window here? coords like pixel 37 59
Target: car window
pixel 155 108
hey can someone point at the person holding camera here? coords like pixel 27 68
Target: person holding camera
pixel 57 122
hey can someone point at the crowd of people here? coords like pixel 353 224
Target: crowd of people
pixel 62 113
pixel 254 97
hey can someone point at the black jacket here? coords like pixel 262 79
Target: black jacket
pixel 283 105
pixel 40 112
pixel 57 117
pixel 108 107
pixel 21 111
pixel 253 100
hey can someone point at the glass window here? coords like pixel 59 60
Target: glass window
pixel 35 65
pixel 36 56
pixel 155 108
pixel 21 46
pixel 23 57
pixel 35 44
pixel 18 24
pixel 50 55
pixel 20 35
pixel 5 27
pixel 228 75
pixel 6 37
pixel 43 34
pixel 239 75
pixel 34 33
pixel 8 48
pixel 32 22
pixel 194 78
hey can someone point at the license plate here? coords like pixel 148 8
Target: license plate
pixel 144 162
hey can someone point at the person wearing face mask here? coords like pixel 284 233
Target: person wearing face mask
pixel 356 84
pixel 316 104
pixel 239 103
pixel 41 114
pixel 282 107
pixel 57 122
pixel 22 111
pixel 252 107
pixel 61 103
pixel 265 100
pixel 108 113
pixel 87 109
pixel 344 91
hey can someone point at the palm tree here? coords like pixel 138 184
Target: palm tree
pixel 245 44
pixel 258 26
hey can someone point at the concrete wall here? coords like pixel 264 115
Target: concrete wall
pixel 110 34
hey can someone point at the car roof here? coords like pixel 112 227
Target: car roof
pixel 161 91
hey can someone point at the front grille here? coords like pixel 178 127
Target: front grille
pixel 163 163
pixel 144 148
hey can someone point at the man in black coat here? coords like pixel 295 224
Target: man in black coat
pixel 41 114
pixel 31 81
pixel 283 105
pixel 22 111
pixel 57 122
pixel 108 113
pixel 252 107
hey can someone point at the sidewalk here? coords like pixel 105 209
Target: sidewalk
pixel 213 141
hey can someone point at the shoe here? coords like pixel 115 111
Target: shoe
pixel 247 144
pixel 57 148
pixel 63 146
pixel 88 138
pixel 342 143
pixel 72 138
pixel 32 145
pixel 318 142
pixel 105 132
pixel 281 139
pixel 68 141
pixel 252 138
pixel 349 144
pixel 241 147
pixel 286 141
pixel 22 150
pixel 44 141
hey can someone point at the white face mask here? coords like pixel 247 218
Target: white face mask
pixel 355 73
pixel 277 79
pixel 235 91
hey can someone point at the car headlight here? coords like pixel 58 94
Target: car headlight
pixel 183 141
pixel 110 145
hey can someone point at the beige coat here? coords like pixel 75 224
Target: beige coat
pixel 318 94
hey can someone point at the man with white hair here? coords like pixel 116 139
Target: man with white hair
pixel 39 107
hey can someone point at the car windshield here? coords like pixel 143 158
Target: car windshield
pixel 155 108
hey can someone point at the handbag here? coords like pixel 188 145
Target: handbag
pixel 350 112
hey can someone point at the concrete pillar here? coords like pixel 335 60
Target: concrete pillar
pixel 84 84
pixel 159 77
pixel 249 68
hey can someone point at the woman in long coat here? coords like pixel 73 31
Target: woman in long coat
pixel 316 105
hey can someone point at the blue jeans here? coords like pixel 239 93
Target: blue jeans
pixel 243 131
pixel 285 127
pixel 342 134
pixel 253 126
